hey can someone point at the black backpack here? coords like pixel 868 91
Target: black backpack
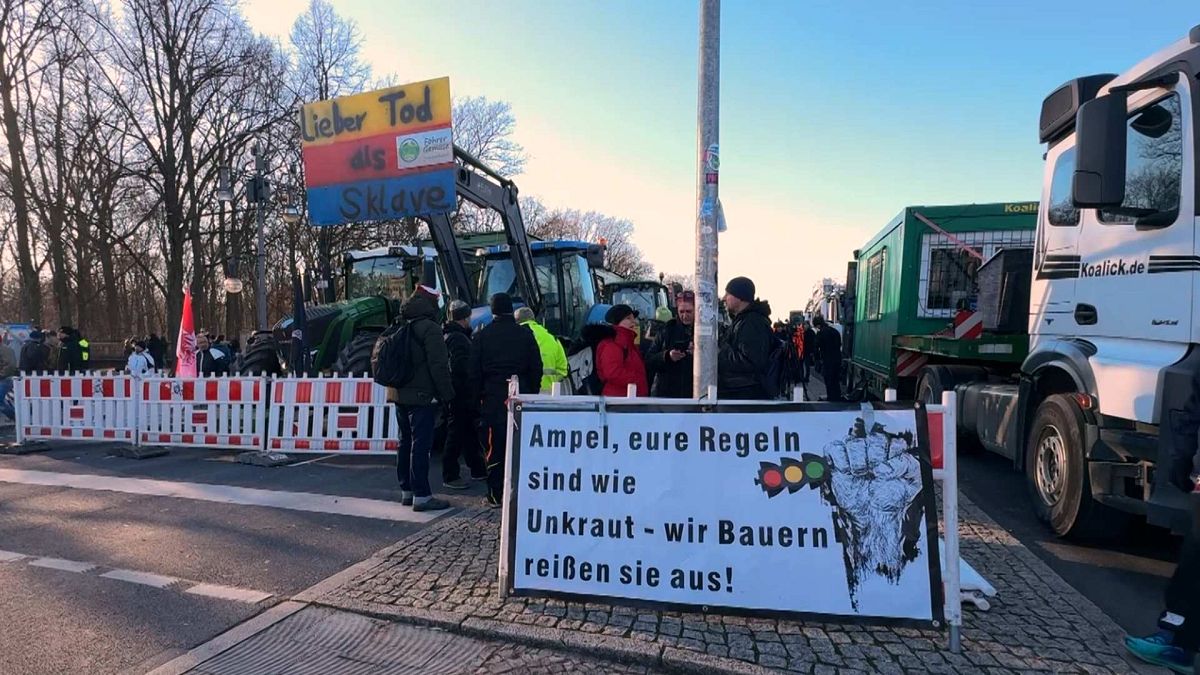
pixel 391 359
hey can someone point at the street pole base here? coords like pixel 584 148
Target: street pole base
pixel 260 458
pixel 26 448
pixel 139 451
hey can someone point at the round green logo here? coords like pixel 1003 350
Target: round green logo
pixel 409 150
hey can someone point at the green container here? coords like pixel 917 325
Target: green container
pixel 913 277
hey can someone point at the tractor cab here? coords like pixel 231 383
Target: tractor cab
pixel 652 300
pixel 565 273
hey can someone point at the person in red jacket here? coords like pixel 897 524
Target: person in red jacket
pixel 618 359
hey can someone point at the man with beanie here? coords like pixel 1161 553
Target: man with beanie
pixel 745 352
pixel 462 437
pixel 418 399
pixel 499 351
pixel 554 357
pixel 618 360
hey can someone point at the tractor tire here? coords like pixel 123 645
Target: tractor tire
pixel 355 358
pixel 1056 474
pixel 260 358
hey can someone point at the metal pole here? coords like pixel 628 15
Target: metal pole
pixel 952 581
pixel 260 268
pixel 708 164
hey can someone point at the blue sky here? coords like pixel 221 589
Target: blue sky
pixel 834 115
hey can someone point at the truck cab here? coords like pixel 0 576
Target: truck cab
pixel 1113 330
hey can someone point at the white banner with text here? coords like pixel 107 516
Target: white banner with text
pixel 792 508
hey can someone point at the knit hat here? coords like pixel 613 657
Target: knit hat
pixel 501 303
pixel 741 288
pixel 459 310
pixel 618 313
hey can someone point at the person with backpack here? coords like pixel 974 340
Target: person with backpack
pixel 34 353
pixel 499 351
pixel 462 419
pixel 746 352
pixel 829 354
pixel 418 375
pixel 670 359
pixel 618 359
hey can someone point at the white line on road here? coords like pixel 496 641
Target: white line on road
pixel 64 565
pixel 145 578
pixel 314 460
pixel 9 556
pixel 226 494
pixel 228 593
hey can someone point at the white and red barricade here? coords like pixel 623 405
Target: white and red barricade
pixel 79 407
pixel 217 412
pixel 341 415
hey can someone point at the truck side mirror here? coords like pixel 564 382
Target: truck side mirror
pixel 1100 131
pixel 595 256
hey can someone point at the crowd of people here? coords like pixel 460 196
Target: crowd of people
pixel 465 377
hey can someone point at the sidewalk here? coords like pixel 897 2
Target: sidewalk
pixel 445 576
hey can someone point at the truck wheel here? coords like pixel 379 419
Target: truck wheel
pixel 1056 471
pixel 261 357
pixel 355 357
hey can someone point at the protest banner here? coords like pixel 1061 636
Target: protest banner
pixel 795 509
pixel 381 155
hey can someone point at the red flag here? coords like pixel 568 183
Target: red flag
pixel 185 347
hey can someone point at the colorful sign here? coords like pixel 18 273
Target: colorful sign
pixel 791 508
pixel 382 155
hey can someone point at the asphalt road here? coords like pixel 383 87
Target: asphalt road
pixel 1123 575
pixel 114 577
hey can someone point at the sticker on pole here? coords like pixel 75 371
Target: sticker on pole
pixel 785 508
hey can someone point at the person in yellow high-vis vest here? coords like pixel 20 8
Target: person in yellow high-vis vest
pixel 554 357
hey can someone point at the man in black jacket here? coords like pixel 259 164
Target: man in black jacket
pixel 34 353
pixel 417 401
pixel 70 358
pixel 502 349
pixel 829 353
pixel 745 353
pixel 670 358
pixel 462 420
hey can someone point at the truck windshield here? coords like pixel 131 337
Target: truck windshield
pixel 389 276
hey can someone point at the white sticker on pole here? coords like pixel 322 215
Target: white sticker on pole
pixel 787 509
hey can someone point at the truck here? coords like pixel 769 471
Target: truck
pixel 1092 399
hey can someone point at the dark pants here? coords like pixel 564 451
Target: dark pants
pixel 416 439
pixel 494 438
pixel 831 373
pixel 1183 591
pixel 462 439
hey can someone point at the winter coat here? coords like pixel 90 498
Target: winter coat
pixel 672 379
pixel 458 346
pixel 157 348
pixel 503 349
pixel 34 355
pixel 8 361
pixel 428 357
pixel 810 345
pixel 745 354
pixel 554 357
pixel 829 346
pixel 139 364
pixel 619 364
pixel 70 355
pixel 211 361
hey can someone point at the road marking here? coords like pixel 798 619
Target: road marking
pixel 9 556
pixel 228 593
pixel 64 565
pixel 313 460
pixel 144 578
pixel 226 494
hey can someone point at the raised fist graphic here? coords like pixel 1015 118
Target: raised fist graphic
pixel 874 481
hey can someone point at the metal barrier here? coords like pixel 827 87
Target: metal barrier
pixel 216 412
pixel 81 407
pixel 343 415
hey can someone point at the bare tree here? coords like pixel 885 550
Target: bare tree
pixel 623 256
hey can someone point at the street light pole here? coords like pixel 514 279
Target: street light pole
pixel 707 167
pixel 260 267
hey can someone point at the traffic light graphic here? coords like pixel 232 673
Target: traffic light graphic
pixel 791 474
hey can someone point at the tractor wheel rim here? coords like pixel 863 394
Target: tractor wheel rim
pixel 1051 468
